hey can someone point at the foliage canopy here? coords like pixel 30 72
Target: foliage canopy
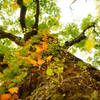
pixel 27 41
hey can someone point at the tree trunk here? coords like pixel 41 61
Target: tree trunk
pixel 79 81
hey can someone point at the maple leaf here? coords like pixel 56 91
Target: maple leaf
pixel 40 61
pixel 13 90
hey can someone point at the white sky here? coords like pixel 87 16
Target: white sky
pixel 80 9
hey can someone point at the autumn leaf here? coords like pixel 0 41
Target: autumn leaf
pixel 13 90
pixel 31 61
pixel 44 46
pixel 34 63
pixel 49 58
pixel 40 61
pixel 39 48
pixel 45 37
pixel 6 96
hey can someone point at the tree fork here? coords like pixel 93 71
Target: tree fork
pixel 80 37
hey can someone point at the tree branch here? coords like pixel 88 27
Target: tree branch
pixel 35 26
pixel 79 38
pixel 17 39
pixel 22 14
pixel 28 35
pixel 12 37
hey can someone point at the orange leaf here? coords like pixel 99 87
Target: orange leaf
pixel 31 61
pixel 49 58
pixel 13 90
pixel 40 61
pixel 34 63
pixel 45 38
pixel 39 57
pixel 6 96
pixel 38 49
pixel 44 46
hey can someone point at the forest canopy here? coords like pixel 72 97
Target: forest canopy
pixel 29 44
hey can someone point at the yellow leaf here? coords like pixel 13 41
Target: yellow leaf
pixel 14 6
pixel 89 44
pixel 49 58
pixel 27 1
pixel 13 90
pixel 60 70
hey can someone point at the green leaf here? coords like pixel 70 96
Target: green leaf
pixel 86 22
pixel 60 70
pixel 23 75
pixel 11 85
pixel 16 80
pixel 49 72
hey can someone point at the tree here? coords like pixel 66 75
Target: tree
pixel 35 61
